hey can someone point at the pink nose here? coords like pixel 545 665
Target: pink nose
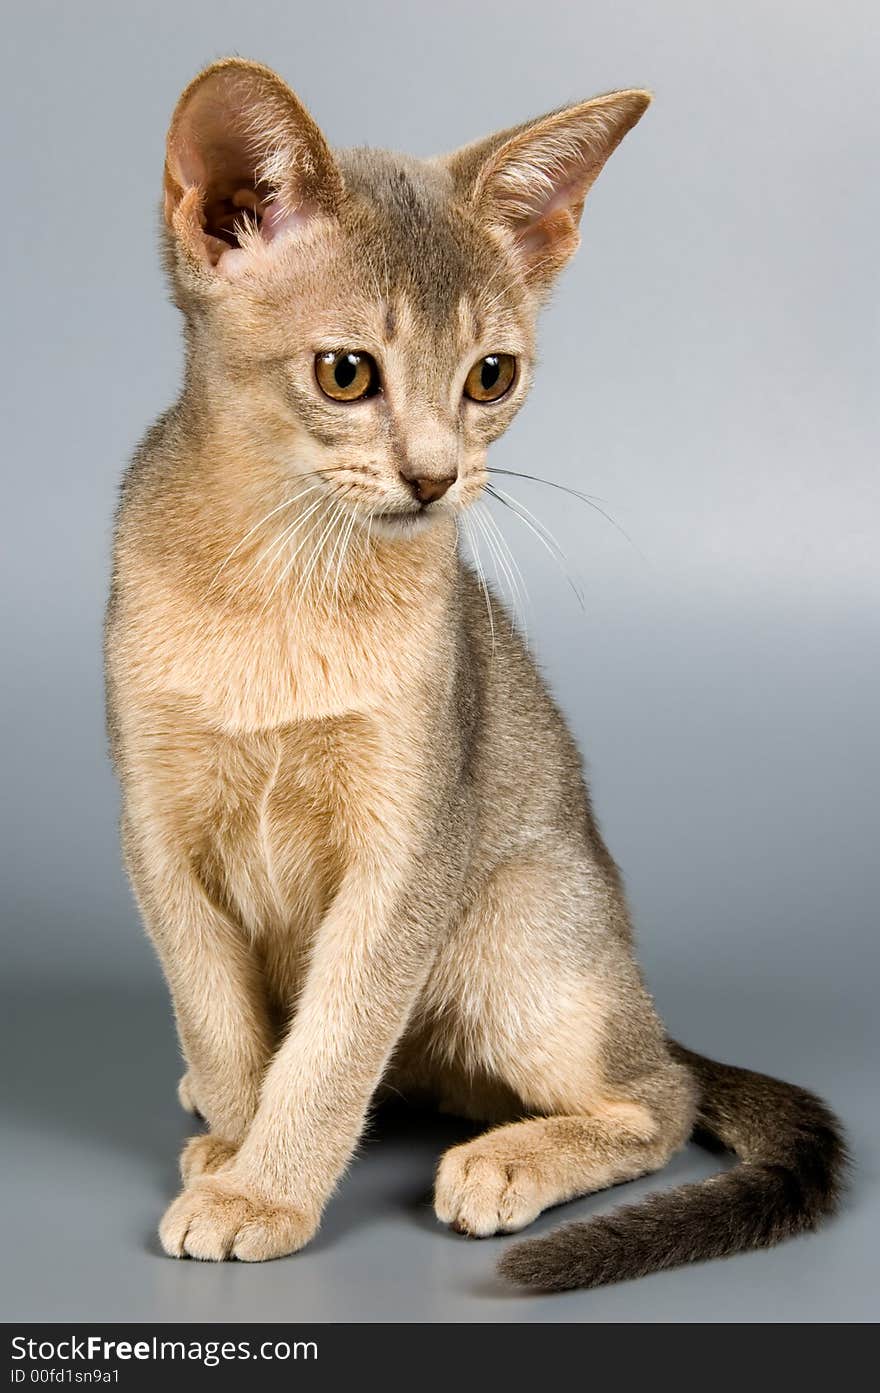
pixel 429 490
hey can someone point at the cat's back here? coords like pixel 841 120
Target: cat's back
pixel 143 477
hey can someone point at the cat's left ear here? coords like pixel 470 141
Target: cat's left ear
pixel 531 182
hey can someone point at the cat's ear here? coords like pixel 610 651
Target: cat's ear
pixel 244 163
pixel 531 181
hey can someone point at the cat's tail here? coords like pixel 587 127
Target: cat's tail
pixel 793 1164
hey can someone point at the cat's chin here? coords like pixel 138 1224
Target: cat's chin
pixel 401 527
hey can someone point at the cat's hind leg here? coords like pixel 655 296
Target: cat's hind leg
pixel 541 993
pixel 504 1179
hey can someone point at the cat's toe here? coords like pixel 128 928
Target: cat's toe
pixel 204 1155
pixel 479 1193
pixel 214 1220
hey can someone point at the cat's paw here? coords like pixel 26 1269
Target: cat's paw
pixel 204 1155
pixel 186 1095
pixel 213 1219
pixel 479 1192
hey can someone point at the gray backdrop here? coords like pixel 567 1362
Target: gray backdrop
pixel 708 367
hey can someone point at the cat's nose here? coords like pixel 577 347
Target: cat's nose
pixel 428 489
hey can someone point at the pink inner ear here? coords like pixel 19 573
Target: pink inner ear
pixel 566 195
pixel 276 221
pixel 555 218
pixel 271 221
pixel 249 163
pixel 214 149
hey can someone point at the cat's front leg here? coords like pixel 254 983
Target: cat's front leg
pixel 371 958
pixel 218 995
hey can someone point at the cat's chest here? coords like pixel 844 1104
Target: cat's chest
pixel 277 813
pixel 275 867
pixel 247 674
pixel 258 678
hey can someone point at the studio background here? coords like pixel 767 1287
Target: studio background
pixel 709 367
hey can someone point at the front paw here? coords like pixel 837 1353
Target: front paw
pixel 214 1219
pixel 204 1155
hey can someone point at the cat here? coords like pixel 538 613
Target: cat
pixel 354 820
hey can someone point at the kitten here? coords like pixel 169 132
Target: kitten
pixel 354 819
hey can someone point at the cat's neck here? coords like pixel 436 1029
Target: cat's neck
pixel 240 540
pixel 251 645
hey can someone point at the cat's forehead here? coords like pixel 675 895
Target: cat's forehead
pixel 413 242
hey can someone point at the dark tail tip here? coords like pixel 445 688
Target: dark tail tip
pixel 743 1209
pixel 574 1256
pixel 795 1184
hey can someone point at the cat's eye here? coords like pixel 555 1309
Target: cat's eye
pixel 491 377
pixel 347 376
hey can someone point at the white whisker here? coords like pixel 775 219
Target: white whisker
pixel 500 552
pixel 271 553
pixel 292 560
pixel 541 531
pixel 313 562
pixel 287 503
pixel 502 580
pixel 522 587
pixel 342 555
pixel 591 500
pixel 339 516
pixel 481 577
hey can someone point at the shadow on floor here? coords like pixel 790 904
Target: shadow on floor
pixel 97 1065
pixel 92 1071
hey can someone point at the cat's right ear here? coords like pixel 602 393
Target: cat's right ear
pixel 245 165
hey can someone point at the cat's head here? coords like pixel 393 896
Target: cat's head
pixel 366 319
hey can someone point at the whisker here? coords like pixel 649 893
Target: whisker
pixel 287 503
pixel 292 560
pixel 326 535
pixel 500 268
pixel 339 517
pixel 272 552
pixel 539 479
pixel 487 306
pixel 480 577
pixel 590 499
pixel 513 568
pixel 342 555
pixel 512 609
pixel 473 517
pixel 542 532
pixel 319 547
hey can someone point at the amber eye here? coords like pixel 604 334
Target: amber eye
pixel 347 376
pixel 490 378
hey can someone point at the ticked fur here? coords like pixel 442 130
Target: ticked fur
pixel 354 819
